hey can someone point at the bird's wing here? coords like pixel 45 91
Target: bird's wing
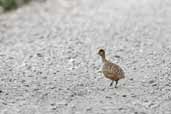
pixel 113 69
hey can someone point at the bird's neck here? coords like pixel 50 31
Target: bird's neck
pixel 103 58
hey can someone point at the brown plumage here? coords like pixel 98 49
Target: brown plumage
pixel 110 70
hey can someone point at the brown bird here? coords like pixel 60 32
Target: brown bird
pixel 110 70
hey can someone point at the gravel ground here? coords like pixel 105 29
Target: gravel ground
pixel 49 62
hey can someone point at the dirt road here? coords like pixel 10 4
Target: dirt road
pixel 49 62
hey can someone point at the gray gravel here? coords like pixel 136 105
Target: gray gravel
pixel 49 62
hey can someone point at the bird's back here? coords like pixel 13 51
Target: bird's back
pixel 113 71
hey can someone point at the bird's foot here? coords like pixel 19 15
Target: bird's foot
pixel 111 84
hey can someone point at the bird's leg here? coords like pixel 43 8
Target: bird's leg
pixel 116 84
pixel 111 83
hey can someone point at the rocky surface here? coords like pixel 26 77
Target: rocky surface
pixel 49 62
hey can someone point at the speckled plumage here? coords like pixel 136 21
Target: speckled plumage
pixel 110 70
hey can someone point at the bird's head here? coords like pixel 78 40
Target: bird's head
pixel 101 52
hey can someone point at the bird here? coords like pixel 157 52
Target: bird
pixel 111 70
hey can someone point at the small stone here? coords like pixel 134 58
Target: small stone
pixel 124 95
pixel 72 95
pixel 40 72
pixel 53 104
pixel 39 55
pixel 10 80
pixel 117 56
pixel 89 109
pixel 44 77
pixel 36 89
pixel 54 108
pixel 23 81
pixel 133 96
pixel 131 79
pixel 135 112
pixel 146 101
pixel 30 56
pixel 4 103
pixel 167 84
pixel 120 108
pixel 26 85
pixel 29 67
pixel 81 84
pixel 134 68
pixel 52 87
pixel 108 97
pixel 151 81
pixel 154 85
